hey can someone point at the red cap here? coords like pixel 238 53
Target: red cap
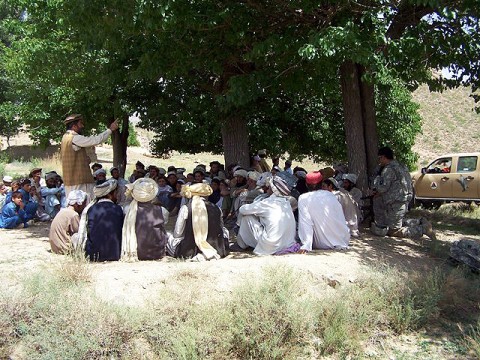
pixel 314 178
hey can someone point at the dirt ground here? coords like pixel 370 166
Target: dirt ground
pixel 130 283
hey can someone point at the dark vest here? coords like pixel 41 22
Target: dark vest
pixel 151 234
pixel 188 249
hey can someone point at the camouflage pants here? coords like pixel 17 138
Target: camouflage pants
pixel 392 216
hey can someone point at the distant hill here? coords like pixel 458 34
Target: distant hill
pixel 450 123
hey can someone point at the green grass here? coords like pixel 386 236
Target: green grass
pixel 275 315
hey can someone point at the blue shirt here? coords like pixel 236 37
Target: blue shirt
pixel 11 211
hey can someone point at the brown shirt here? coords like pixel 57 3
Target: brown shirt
pixel 64 225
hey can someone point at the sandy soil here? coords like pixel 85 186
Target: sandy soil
pixel 25 250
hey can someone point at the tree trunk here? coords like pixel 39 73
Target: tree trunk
pixel 235 141
pixel 354 130
pixel 119 144
pixel 367 91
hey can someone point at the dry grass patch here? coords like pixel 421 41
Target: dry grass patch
pixel 271 315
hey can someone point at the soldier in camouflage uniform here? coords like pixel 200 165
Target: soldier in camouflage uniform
pixel 392 193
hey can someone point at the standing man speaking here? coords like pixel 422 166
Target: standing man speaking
pixel 75 162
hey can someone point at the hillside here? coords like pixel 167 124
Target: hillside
pixel 450 123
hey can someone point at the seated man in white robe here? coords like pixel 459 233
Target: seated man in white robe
pixel 268 225
pixel 321 223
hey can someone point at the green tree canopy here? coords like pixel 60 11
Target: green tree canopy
pixel 206 75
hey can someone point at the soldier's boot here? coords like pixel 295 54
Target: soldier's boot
pixel 378 230
pixel 428 229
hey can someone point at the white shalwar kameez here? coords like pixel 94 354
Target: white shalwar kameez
pixel 321 223
pixel 267 225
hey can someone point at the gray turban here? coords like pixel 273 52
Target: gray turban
pixel 105 188
pixel 279 186
pixel 99 171
pixel 350 177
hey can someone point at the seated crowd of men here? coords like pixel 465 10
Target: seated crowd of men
pixel 270 210
pixel 127 218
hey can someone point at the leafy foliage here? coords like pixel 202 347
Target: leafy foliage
pixel 186 68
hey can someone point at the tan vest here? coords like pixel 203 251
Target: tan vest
pixel 75 164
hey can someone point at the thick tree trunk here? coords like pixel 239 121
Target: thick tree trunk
pixel 367 91
pixel 235 141
pixel 354 133
pixel 119 144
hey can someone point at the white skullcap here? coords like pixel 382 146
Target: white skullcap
pixel 76 197
pixel 254 175
pixel 143 189
pixel 7 178
pixel 99 171
pixel 301 174
pixel 263 178
pixel 350 177
pixel 162 171
pixel 105 188
pixel 113 168
pixel 236 167
pixel 257 158
pixel 241 172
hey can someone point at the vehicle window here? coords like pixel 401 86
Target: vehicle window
pixel 442 165
pixel 467 164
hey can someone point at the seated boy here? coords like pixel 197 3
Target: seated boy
pixel 13 213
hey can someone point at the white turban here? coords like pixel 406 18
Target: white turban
pixel 104 188
pixel 241 172
pixel 76 197
pixel 254 175
pixel 350 177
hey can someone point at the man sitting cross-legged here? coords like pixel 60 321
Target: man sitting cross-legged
pixel 64 229
pixel 321 223
pixel 104 224
pixel 268 225
pixel 144 236
pixel 199 231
